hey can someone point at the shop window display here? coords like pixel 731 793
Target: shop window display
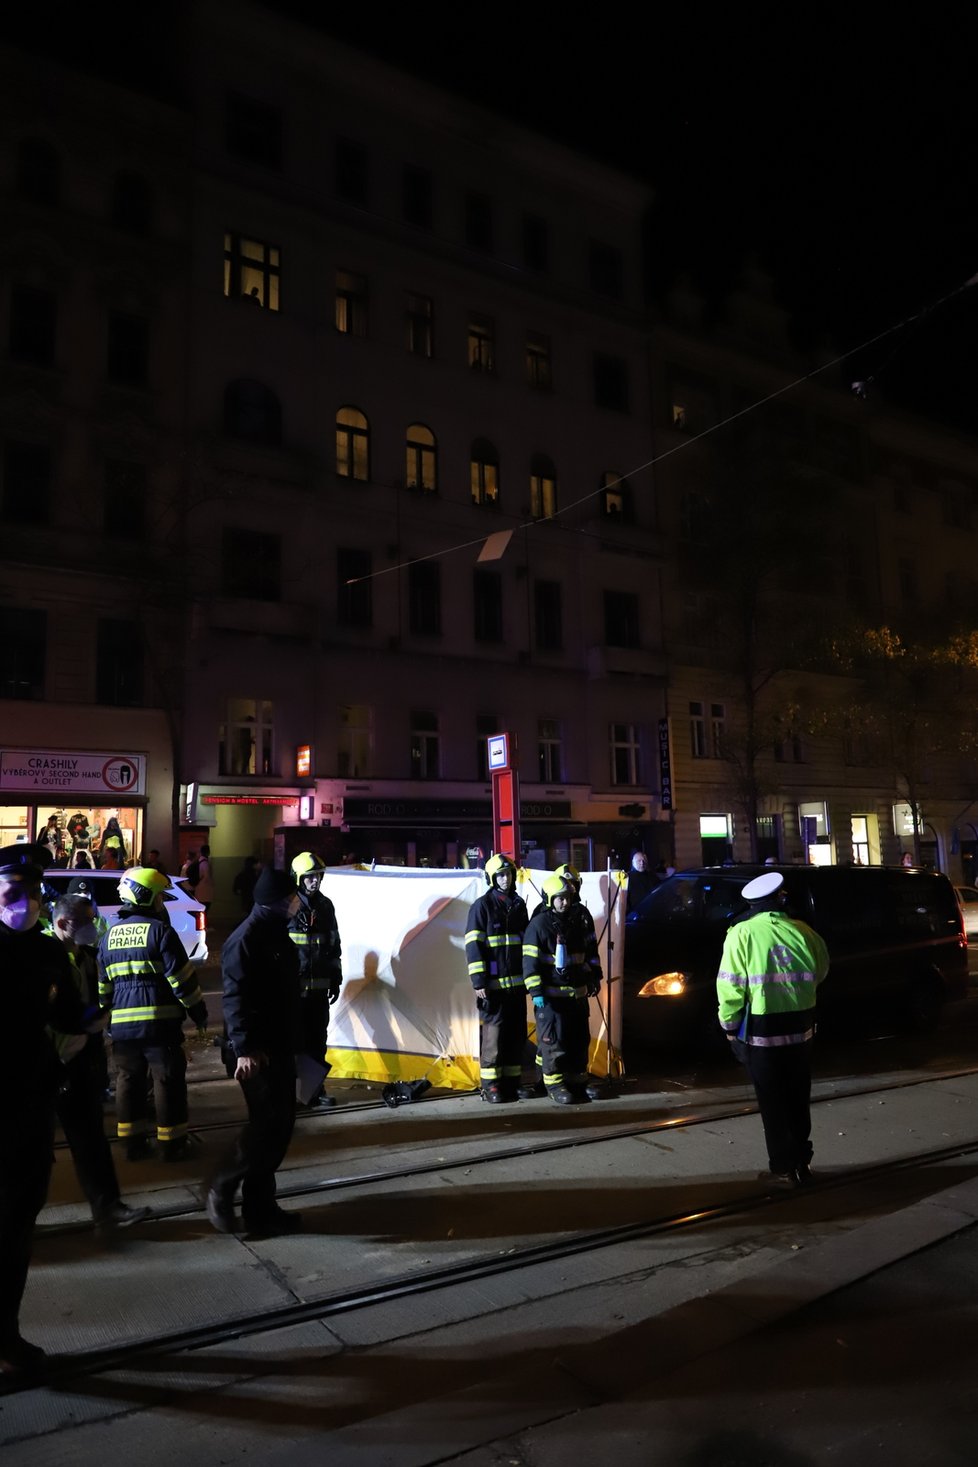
pixel 101 836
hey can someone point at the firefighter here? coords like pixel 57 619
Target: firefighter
pixel 494 949
pixel 148 983
pixel 313 929
pixel 572 879
pixel 560 977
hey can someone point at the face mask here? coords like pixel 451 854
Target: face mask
pixel 21 915
pixel 85 936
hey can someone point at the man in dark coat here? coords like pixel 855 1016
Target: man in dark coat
pixel 38 991
pixel 260 971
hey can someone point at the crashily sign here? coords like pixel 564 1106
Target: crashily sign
pixel 61 771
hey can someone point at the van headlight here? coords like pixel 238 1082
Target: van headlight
pixel 664 985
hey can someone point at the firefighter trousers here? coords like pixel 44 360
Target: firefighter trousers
pixel 502 1033
pixel 134 1062
pixel 563 1037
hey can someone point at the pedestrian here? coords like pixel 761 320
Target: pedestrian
pixel 154 861
pixel 204 885
pixel 39 992
pixel 560 977
pixel 189 869
pixel 640 880
pixel 243 886
pixel 84 1076
pixel 314 931
pixel 770 970
pixel 149 984
pixel 260 972
pixel 494 949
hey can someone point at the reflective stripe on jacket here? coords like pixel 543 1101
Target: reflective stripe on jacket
pixel 771 967
pixel 316 936
pixel 146 979
pixel 494 940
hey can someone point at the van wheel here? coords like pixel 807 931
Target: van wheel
pixel 924 1004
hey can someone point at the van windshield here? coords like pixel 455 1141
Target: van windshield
pixel 709 897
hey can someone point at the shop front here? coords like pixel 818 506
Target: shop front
pixel 87 808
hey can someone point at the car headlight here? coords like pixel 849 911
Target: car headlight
pixel 664 985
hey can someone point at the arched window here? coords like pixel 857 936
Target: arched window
pixel 131 204
pixel 616 498
pixel 252 412
pixel 543 487
pixel 422 459
pixel 39 172
pixel 352 444
pixel 484 473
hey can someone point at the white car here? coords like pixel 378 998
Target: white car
pixel 968 897
pixel 187 916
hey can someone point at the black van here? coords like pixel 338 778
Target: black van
pixel 895 937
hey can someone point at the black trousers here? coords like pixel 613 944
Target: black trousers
pixel 167 1063
pixel 26 1153
pixel 782 1080
pixel 260 1148
pixel 502 1034
pixel 314 1025
pixel 79 1111
pixel 563 1038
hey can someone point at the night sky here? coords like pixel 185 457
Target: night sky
pixel 840 152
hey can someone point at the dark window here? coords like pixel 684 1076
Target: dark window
pixel 39 172
pixel 23 649
pixel 621 619
pixel 538 364
pixel 547 616
pixel 419 321
pixel 131 204
pixel 478 222
pixel 127 358
pixel 418 197
pixel 254 131
pixel 605 269
pixel 487 588
pixel 351 303
pixel 33 325
pixel 425 745
pixel 610 383
pixel 252 270
pixel 124 506
pixel 350 176
pixel 482 343
pixel 354 603
pixel 424 598
pixel 26 483
pixel 536 243
pixel 251 564
pixel 119 665
pixel 252 412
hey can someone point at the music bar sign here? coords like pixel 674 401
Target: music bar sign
pixel 665 766
pixel 59 771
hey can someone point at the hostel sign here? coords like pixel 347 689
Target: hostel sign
pixel 63 772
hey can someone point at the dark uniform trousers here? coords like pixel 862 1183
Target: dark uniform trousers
pixel 314 1023
pixel 563 1038
pixel 502 1033
pixel 79 1109
pixel 260 1148
pixel 26 1153
pixel 782 1078
pixel 134 1061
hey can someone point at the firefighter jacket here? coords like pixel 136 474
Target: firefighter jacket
pixel 146 979
pixel 494 940
pixel 316 936
pixel 560 956
pixel 40 994
pixel 261 978
pixel 770 969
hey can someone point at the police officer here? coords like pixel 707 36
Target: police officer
pixel 313 929
pixel 770 970
pixel 38 992
pixel 494 950
pixel 560 976
pixel 147 981
pixel 260 971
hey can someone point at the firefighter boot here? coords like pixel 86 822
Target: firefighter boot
pixel 564 1095
pixel 532 1091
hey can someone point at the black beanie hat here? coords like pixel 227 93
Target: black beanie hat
pixel 272 886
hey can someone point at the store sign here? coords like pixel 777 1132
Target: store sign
pixel 288 802
pixel 59 772
pixel 665 766
pixel 303 761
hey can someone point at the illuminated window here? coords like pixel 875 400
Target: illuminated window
pixel 352 444
pixel 252 412
pixel 251 270
pixel 245 738
pixel 422 459
pixel 484 474
pixel 482 344
pixel 424 745
pixel 616 498
pixel 354 745
pixel 543 488
pixel 550 759
pixel 351 303
pixel 626 757
pixel 419 321
pixel 538 363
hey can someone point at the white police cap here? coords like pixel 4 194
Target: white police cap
pixel 762 886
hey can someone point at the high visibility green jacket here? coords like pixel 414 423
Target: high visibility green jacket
pixel 494 940
pixel 146 979
pixel 770 969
